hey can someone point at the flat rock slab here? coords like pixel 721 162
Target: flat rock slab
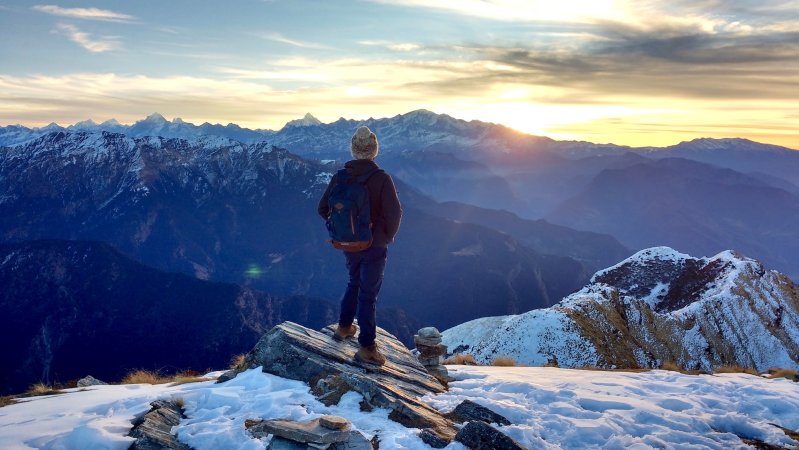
pixel 292 351
pixel 335 423
pixel 428 351
pixel 429 342
pixel 310 431
pixel 279 443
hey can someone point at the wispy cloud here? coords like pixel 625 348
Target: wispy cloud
pixel 277 37
pixel 394 46
pixel 85 40
pixel 85 13
pixel 522 10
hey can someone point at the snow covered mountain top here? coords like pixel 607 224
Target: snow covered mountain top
pixel 649 273
pixel 307 121
pixel 418 129
pixel 723 144
pixel 658 305
pixel 550 408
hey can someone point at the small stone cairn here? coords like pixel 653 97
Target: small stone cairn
pixel 431 352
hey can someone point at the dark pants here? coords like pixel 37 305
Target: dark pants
pixel 366 277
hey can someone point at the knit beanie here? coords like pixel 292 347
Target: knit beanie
pixel 364 144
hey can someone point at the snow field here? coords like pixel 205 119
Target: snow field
pixel 555 408
pixel 551 408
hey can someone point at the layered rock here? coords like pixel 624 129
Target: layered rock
pixel 153 431
pixel 656 306
pixel 323 433
pixel 292 351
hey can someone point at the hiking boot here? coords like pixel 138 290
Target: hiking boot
pixel 370 355
pixel 345 332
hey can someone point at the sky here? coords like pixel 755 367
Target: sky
pixel 634 72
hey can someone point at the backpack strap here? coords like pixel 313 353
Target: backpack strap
pixel 342 175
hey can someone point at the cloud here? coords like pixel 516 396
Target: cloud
pixel 521 10
pixel 104 44
pixel 393 46
pixel 277 37
pixel 85 13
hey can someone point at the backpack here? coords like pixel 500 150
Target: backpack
pixel 349 221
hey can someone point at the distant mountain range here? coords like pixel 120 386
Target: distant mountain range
pixel 490 227
pixel 494 167
pixel 224 211
pixel 655 307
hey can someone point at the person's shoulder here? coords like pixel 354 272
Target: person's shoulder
pixel 382 175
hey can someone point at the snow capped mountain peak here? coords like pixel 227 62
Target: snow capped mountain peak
pixel 421 113
pixel 669 280
pixel 307 121
pixel 52 126
pixel 110 122
pixel 657 305
pixel 154 118
pixel 423 116
pixel 645 257
pixel 721 144
pixel 86 124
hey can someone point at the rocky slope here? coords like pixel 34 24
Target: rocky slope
pixel 656 306
pixel 73 308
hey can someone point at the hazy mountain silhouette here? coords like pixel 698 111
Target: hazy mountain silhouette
pixel 75 308
pixel 691 206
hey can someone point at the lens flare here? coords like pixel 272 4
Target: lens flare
pixel 253 271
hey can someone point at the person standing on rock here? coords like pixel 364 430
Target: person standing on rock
pixel 365 266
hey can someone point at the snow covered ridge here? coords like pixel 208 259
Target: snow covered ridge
pixel 124 164
pixel 657 306
pixel 550 409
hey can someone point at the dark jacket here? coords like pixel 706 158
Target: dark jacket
pixel 384 204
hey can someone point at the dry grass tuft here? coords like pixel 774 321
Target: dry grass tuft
pixel 790 374
pixel 604 369
pixel 42 389
pixel 7 400
pixel 503 361
pixel 670 365
pixel 141 376
pixel 735 369
pixel 461 359
pixel 238 361
pixel 178 380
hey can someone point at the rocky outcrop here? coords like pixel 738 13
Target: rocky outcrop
pixel 469 411
pixel 292 351
pixel 658 305
pixel 326 432
pixel 89 380
pixel 153 431
pixel 478 435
